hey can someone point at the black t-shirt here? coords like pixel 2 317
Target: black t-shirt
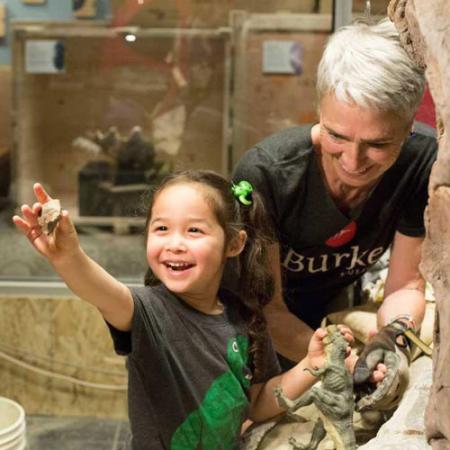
pixel 188 372
pixel 322 249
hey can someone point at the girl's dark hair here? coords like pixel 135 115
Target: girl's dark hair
pixel 256 285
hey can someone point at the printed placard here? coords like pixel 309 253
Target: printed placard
pixel 44 56
pixel 282 57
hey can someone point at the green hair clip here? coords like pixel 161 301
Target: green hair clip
pixel 242 191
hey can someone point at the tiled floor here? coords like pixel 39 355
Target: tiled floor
pixel 75 433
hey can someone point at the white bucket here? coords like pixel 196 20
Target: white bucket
pixel 12 425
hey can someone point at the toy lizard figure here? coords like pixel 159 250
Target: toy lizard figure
pixel 334 398
pixel 395 342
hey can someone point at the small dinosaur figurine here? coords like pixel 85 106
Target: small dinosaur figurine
pixel 334 398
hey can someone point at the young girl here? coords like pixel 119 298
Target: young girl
pixel 199 358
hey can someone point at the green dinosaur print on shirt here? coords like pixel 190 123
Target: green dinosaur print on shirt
pixel 216 423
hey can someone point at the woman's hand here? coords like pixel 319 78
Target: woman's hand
pixel 62 242
pixel 316 351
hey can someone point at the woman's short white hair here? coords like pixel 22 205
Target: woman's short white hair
pixel 366 64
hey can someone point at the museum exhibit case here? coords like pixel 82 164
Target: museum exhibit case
pixel 101 110
pixel 102 114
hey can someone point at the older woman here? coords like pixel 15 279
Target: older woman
pixel 343 191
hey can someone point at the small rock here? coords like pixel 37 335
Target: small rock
pixel 50 215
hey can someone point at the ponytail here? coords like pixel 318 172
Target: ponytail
pixel 256 283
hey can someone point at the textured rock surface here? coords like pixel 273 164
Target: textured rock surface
pixel 406 428
pixel 429 24
pixel 436 264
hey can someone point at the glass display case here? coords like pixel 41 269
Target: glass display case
pixel 101 111
pixel 125 107
pixel 102 114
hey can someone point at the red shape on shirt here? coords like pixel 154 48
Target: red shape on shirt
pixel 427 111
pixel 342 237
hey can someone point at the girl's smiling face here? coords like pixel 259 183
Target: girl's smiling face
pixel 185 243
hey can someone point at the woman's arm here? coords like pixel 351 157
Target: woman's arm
pixel 405 286
pixel 82 275
pixel 404 301
pixel 289 334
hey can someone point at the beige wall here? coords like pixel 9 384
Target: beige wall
pixel 65 336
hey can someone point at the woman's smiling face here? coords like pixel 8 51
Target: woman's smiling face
pixel 358 144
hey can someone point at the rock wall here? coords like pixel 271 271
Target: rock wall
pixel 425 26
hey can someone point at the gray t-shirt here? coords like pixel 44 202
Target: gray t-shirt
pixel 189 373
pixel 322 249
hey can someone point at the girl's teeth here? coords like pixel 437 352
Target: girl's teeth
pixel 178 266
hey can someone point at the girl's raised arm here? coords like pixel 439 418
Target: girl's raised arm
pixel 83 276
